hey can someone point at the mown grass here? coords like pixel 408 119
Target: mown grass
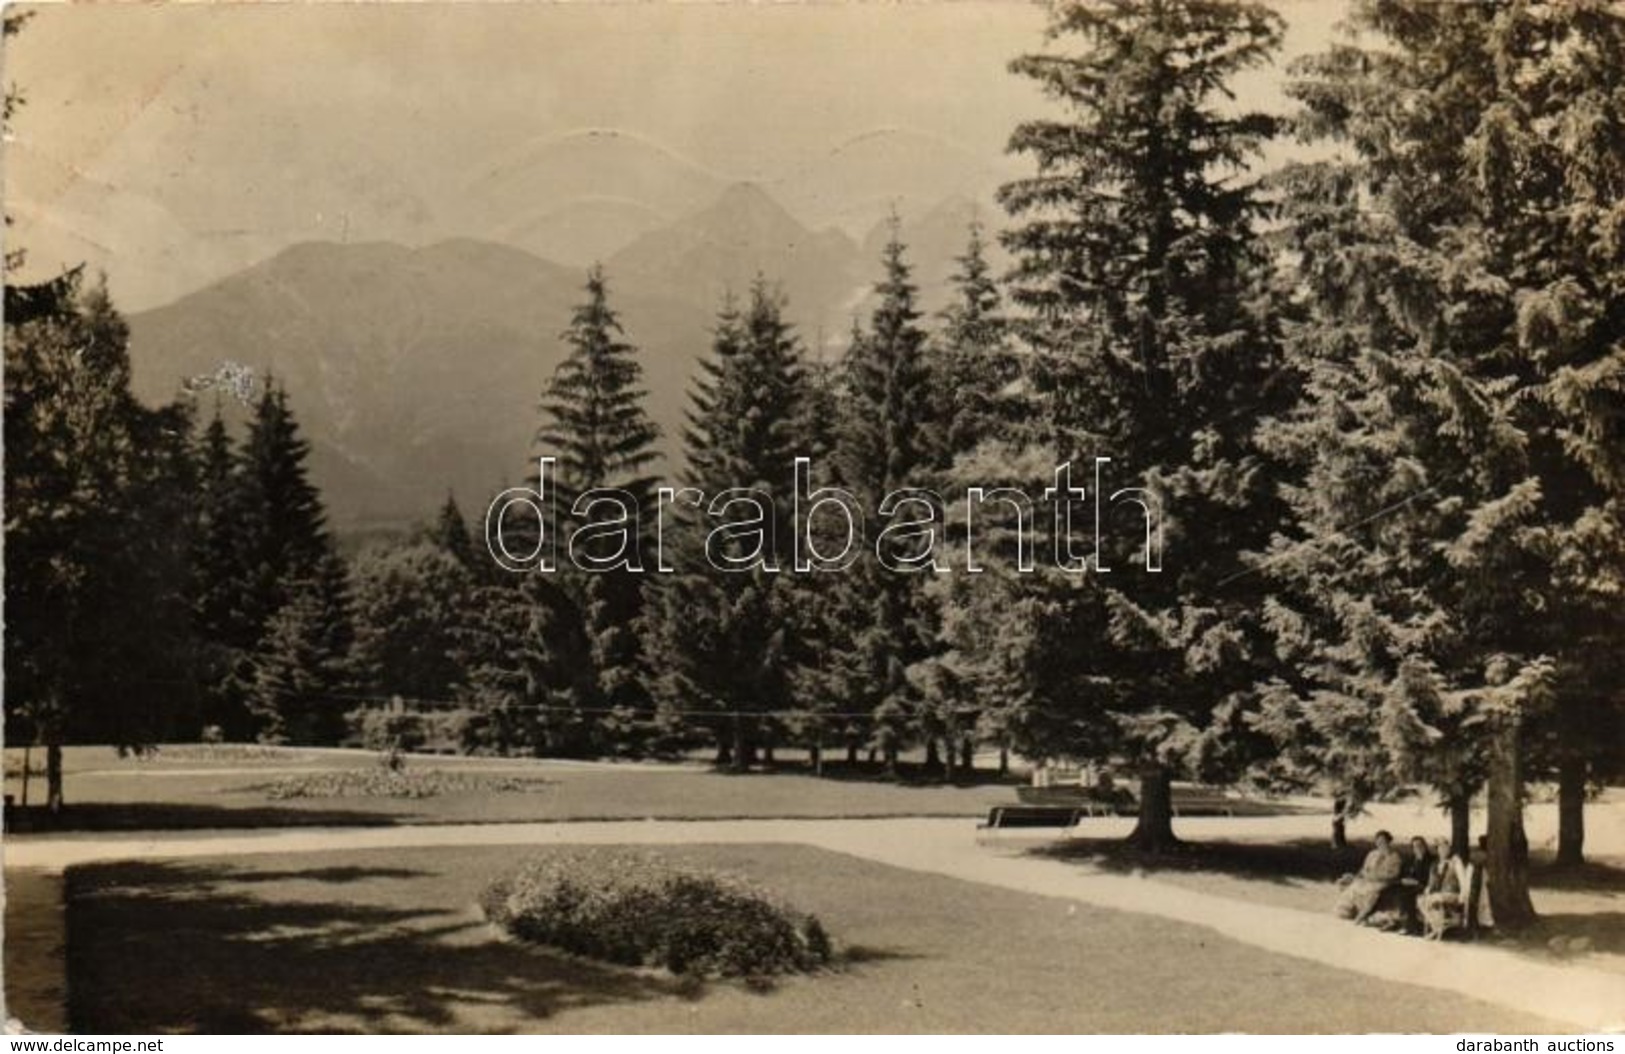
pixel 105 792
pixel 393 941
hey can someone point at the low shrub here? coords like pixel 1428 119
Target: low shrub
pixel 387 730
pixel 638 909
pixel 383 782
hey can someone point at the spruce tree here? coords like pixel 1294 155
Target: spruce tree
pixel 304 666
pixel 1470 279
pixel 219 596
pixel 495 655
pixel 886 441
pixel 451 535
pixel 586 624
pixel 731 647
pixel 811 601
pixel 299 658
pixel 1140 269
pixel 282 525
pixel 977 372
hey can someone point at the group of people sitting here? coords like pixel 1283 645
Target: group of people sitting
pixel 1431 892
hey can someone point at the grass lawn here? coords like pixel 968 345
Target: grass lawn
pixel 195 787
pixel 34 949
pixel 181 789
pixel 391 941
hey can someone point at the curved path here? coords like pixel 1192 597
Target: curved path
pixel 1590 999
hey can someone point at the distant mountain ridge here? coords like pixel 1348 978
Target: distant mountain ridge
pixel 415 371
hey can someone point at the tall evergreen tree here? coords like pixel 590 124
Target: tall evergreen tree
pixel 304 665
pixel 495 654
pixel 451 534
pixel 1141 271
pixel 815 631
pixel 977 371
pixel 1470 274
pixel 299 658
pixel 886 442
pixel 227 636
pixel 727 618
pixel 586 626
pixel 283 527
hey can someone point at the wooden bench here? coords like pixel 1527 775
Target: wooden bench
pixel 1003 817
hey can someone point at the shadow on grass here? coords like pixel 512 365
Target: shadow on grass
pixel 168 816
pixel 1573 934
pixel 1589 877
pixel 160 947
pixel 1284 862
pixel 861 954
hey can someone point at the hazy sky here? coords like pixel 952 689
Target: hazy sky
pixel 173 144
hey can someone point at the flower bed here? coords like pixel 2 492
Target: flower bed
pixel 382 782
pixel 638 909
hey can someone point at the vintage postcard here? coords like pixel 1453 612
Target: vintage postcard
pixel 1102 517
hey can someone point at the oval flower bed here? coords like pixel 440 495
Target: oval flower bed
pixel 638 909
pixel 380 782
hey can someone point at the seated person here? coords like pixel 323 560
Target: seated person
pixel 1419 865
pixel 1362 892
pixel 1413 880
pixel 1443 903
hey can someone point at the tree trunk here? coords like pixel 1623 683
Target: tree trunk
pixel 852 754
pixel 1571 831
pixel 53 778
pixel 1340 831
pixel 1507 869
pixel 933 756
pixel 28 763
pixel 815 754
pixel 1461 825
pixel 948 773
pixel 1154 833
pixel 891 759
pixel 724 753
pixel 740 761
pixel 967 757
pixel 1004 759
pixel 1570 786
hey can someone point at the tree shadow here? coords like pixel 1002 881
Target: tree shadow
pixel 1589 877
pixel 166 947
pixel 1571 935
pixel 1300 860
pixel 169 816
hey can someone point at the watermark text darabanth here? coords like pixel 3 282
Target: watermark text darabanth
pixel 911 529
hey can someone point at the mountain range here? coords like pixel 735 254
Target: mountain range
pixel 416 371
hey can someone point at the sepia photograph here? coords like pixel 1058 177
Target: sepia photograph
pixel 817 517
